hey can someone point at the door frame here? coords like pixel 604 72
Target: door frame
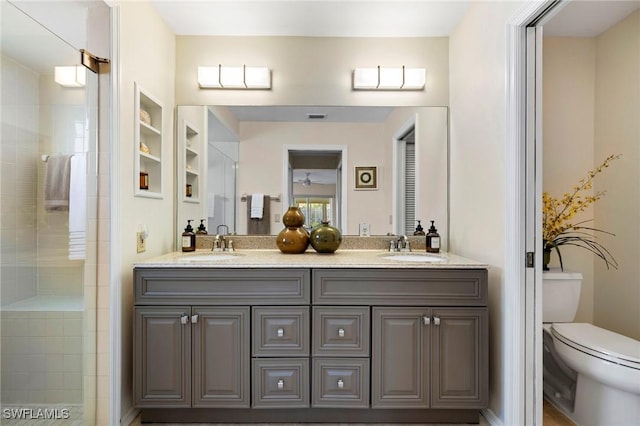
pixel 522 379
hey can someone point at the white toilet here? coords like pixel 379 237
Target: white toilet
pixel 591 374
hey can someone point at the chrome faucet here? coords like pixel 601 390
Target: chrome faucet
pixel 402 244
pixel 220 243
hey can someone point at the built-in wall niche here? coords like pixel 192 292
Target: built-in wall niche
pixel 148 143
pixel 190 141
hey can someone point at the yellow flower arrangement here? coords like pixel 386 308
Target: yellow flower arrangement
pixel 557 228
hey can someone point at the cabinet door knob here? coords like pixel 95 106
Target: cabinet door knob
pixel 341 332
pixel 194 318
pixel 436 320
pixel 184 319
pixel 426 320
pixel 340 384
pixel 280 384
pixel 280 332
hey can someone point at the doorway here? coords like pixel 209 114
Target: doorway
pixel 315 183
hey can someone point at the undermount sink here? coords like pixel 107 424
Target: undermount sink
pixel 415 257
pixel 210 257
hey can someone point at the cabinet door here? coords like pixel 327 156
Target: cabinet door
pixel 459 358
pixel 221 357
pixel 400 344
pixel 162 364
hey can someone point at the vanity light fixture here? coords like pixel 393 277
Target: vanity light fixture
pixel 389 78
pixel 70 76
pixel 243 77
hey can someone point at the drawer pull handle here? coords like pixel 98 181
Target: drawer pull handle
pixel 194 318
pixel 184 319
pixel 280 332
pixel 436 320
pixel 280 384
pixel 426 320
pixel 340 384
pixel 341 332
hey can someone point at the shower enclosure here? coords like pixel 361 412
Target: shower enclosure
pixel 48 249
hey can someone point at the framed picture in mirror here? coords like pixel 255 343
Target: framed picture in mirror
pixel 366 177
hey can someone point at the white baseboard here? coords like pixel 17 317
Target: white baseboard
pixel 491 418
pixel 128 419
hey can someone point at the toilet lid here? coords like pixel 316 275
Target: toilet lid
pixel 600 342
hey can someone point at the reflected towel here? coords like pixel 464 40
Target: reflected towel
pixel 78 207
pixel 56 182
pixel 258 226
pixel 257 206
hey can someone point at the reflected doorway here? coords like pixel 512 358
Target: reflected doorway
pixel 315 182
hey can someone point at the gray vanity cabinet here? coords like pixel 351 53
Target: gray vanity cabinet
pixel 429 357
pixel 181 363
pixel 312 344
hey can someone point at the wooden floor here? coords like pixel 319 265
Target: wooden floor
pixel 551 416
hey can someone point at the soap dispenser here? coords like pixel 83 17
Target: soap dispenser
pixel 419 230
pixel 433 240
pixel 202 230
pixel 188 238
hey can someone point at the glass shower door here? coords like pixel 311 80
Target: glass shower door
pixel 48 171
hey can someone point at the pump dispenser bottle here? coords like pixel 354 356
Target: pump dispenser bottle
pixel 188 238
pixel 433 240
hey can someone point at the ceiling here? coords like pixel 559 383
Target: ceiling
pixel 364 18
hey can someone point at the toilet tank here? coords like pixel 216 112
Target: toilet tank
pixel 560 295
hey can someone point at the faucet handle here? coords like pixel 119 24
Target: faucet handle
pixel 230 246
pixel 392 245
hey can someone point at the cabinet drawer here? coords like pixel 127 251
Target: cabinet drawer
pixel 280 383
pixel 202 286
pixel 340 331
pixel 340 382
pixel 400 287
pixel 281 331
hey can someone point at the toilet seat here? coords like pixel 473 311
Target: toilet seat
pixel 600 343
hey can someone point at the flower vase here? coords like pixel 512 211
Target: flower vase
pixel 293 239
pixel 546 258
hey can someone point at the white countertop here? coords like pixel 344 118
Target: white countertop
pixel 310 259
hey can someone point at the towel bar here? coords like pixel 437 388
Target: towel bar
pixel 275 198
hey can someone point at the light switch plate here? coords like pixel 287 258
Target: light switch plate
pixel 141 244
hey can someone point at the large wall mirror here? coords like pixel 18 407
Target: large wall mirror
pixel 385 167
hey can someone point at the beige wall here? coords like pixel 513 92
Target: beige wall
pixel 147 57
pixel 617 292
pixel 477 53
pixel 311 70
pixel 568 140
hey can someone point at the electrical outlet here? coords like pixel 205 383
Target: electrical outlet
pixel 276 218
pixel 141 244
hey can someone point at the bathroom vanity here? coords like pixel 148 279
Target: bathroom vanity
pixel 353 337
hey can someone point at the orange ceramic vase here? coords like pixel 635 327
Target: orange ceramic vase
pixel 293 239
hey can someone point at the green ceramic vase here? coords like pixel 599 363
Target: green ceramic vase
pixel 325 238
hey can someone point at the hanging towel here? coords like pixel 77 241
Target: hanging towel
pixel 56 182
pixel 258 226
pixel 257 206
pixel 78 207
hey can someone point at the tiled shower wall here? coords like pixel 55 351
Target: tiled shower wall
pixel 42 357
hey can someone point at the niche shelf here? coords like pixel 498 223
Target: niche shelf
pixel 190 160
pixel 148 145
